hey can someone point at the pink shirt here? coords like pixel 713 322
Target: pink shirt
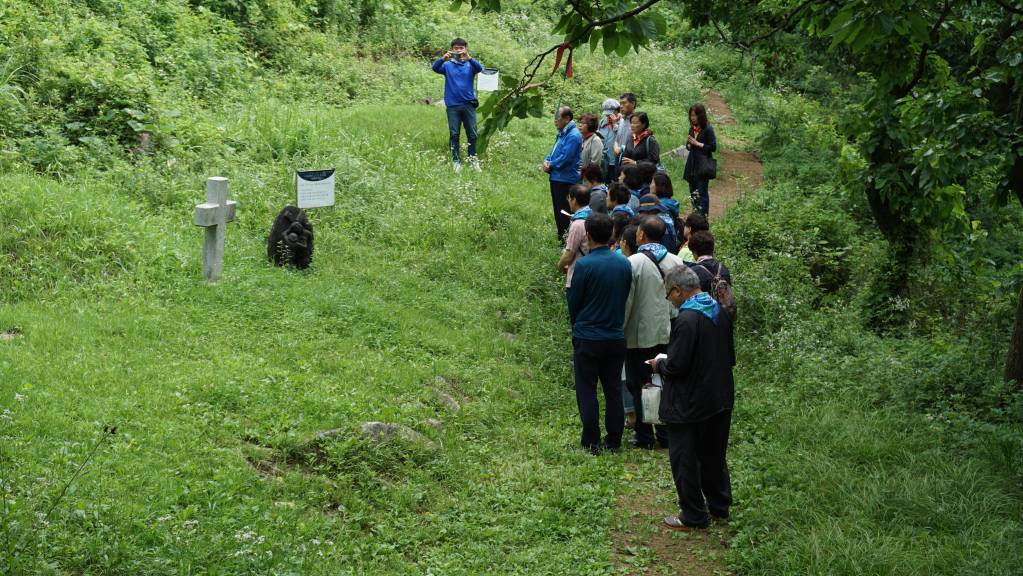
pixel 575 242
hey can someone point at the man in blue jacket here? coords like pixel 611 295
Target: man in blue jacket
pixel 596 305
pixel 562 163
pixel 460 70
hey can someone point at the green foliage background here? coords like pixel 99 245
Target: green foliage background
pixel 853 452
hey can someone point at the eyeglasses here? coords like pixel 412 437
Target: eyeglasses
pixel 667 295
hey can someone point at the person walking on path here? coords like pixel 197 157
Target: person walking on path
pixel 460 70
pixel 697 401
pixel 596 305
pixel 562 163
pixel 701 143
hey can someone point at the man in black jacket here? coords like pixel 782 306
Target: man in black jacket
pixel 696 401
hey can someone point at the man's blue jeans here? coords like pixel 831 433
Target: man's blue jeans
pixel 462 114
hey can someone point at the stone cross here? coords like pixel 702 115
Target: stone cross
pixel 214 214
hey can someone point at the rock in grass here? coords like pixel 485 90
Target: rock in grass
pixel 448 401
pixel 433 423
pixel 381 432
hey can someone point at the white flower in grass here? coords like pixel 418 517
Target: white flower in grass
pixel 189 524
pixel 19 397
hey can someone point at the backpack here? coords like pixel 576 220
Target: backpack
pixel 660 166
pixel 721 291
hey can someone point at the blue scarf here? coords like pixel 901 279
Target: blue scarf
pixel 704 304
pixel 598 188
pixel 624 208
pixel 582 213
pixel 656 249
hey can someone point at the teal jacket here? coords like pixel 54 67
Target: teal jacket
pixel 596 300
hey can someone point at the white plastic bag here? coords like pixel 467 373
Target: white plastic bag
pixel 652 401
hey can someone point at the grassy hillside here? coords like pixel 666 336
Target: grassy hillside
pixel 426 287
pixel 433 297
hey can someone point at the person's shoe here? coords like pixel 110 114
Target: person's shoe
pixel 642 445
pixel 594 449
pixel 458 167
pixel 676 524
pixel 717 517
pixel 474 162
pixel 604 447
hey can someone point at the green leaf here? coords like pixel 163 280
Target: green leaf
pixel 660 24
pixel 610 40
pixel 624 43
pixel 594 40
pixel 562 23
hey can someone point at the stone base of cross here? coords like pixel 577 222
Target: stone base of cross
pixel 214 214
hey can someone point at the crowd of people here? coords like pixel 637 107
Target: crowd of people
pixel 646 298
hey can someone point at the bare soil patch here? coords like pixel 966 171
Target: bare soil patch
pixel 739 172
pixel 643 546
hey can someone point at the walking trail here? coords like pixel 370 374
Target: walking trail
pixel 640 543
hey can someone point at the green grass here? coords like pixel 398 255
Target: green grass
pixel 851 454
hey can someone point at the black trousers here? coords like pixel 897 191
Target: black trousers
pixel 697 455
pixel 559 200
pixel 599 361
pixel 637 374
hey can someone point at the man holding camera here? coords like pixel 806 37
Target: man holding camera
pixel 460 70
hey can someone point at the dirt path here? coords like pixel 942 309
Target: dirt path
pixel 641 545
pixel 739 172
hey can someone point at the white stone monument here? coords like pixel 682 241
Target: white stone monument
pixel 214 214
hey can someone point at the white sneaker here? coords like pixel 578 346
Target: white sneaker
pixel 458 167
pixel 475 163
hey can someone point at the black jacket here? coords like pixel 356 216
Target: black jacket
pixel 697 373
pixel 707 271
pixel 710 142
pixel 648 150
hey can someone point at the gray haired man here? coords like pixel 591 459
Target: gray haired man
pixel 697 400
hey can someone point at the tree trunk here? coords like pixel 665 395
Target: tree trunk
pixel 1014 362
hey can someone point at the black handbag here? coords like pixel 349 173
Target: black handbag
pixel 704 166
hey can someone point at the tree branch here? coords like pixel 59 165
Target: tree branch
pixel 532 68
pixel 921 64
pixel 781 26
pixel 1009 7
pixel 724 37
pixel 578 8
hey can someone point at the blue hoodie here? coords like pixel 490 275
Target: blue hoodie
pixel 458 77
pixel 566 155
pixel 704 304
pixel 671 205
